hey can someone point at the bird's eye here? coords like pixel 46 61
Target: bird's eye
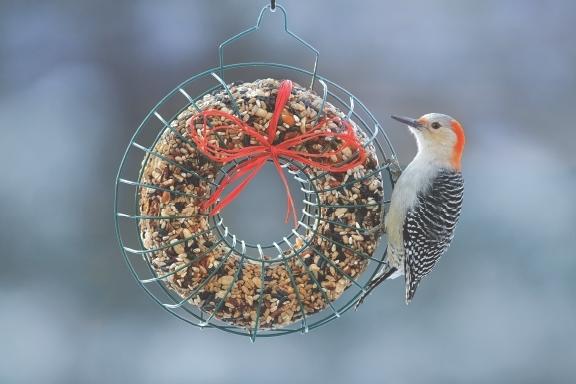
pixel 435 125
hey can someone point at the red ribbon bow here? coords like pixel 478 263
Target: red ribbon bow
pixel 255 156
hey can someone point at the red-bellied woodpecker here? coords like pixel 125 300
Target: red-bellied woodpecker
pixel 425 204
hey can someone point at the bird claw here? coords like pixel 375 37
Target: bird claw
pixel 394 168
pixel 373 284
pixel 361 300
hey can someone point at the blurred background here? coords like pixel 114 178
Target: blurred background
pixel 76 79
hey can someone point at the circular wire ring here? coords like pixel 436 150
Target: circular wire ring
pixel 153 286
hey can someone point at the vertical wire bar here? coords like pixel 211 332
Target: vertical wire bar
pixel 190 99
pixel 296 291
pixel 232 99
pixel 201 285
pixel 351 110
pixel 311 277
pixel 336 267
pixel 230 287
pixel 260 297
pixel 324 96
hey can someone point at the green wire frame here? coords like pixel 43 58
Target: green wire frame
pixel 126 223
pixel 256 27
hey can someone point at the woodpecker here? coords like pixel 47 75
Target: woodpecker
pixel 425 203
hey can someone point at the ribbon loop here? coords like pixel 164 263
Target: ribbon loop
pixel 253 157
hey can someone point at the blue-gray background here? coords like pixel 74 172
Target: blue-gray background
pixel 76 78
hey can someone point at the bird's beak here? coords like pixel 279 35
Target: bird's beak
pixel 408 121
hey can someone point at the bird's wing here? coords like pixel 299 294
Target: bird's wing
pixel 429 227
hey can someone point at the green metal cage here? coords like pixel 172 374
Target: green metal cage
pixel 128 186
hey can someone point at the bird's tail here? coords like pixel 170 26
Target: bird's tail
pixel 384 273
pixel 411 284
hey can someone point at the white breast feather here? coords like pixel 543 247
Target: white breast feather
pixel 417 176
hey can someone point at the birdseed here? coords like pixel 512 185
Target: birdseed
pixel 196 264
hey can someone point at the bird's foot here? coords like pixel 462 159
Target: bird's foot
pixel 373 284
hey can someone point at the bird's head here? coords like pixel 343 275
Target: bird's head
pixel 438 134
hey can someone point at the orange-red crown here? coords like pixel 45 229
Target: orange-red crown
pixel 459 146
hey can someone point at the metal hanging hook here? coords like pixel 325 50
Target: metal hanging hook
pixel 272 7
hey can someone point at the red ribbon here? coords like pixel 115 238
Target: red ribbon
pixel 255 156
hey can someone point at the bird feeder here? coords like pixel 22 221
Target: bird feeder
pixel 213 130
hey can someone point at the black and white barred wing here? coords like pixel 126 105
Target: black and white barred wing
pixel 429 227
